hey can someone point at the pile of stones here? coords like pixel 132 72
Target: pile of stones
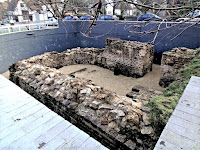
pixel 142 93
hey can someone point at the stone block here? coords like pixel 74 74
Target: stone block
pixel 132 58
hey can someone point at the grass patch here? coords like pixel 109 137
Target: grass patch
pixel 163 106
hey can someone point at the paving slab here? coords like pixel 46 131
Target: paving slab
pixel 26 124
pixel 182 131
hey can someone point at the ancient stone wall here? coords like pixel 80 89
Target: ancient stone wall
pixel 118 122
pixel 172 61
pixel 129 58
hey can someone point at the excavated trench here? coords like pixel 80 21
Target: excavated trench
pixel 97 104
pixel 88 87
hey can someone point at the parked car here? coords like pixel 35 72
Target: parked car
pixel 71 18
pixel 6 21
pixel 75 18
pixel 195 13
pixel 115 17
pixel 68 18
pixel 149 17
pixel 52 22
pixel 86 18
pixel 106 17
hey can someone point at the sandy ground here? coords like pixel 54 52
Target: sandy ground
pixel 119 84
pixel 6 74
pixel 105 78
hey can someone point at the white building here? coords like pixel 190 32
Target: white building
pixel 22 11
pixel 27 14
pixel 110 6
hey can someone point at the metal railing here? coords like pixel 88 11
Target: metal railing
pixel 26 27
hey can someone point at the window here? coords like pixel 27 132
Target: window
pixel 25 15
pixel 150 16
pixel 22 5
pixel 145 16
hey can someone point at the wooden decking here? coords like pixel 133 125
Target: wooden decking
pixel 182 131
pixel 25 123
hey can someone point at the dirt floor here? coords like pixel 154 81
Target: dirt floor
pixel 119 84
pixel 6 74
pixel 106 78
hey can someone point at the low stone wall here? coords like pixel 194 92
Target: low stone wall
pixel 129 58
pixel 118 122
pixel 172 61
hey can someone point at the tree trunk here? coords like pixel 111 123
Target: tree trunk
pixel 114 9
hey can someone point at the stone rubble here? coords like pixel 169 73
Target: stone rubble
pixel 128 58
pixel 116 121
pixel 172 61
pixel 142 93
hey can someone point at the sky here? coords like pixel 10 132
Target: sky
pixel 2 0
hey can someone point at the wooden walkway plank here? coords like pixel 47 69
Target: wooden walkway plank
pixel 179 140
pixel 170 146
pixel 30 112
pixel 183 123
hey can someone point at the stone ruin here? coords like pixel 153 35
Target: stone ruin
pixel 116 121
pixel 129 58
pixel 172 61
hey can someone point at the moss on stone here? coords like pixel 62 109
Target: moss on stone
pixel 163 106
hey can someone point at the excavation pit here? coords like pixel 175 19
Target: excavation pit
pixel 112 118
